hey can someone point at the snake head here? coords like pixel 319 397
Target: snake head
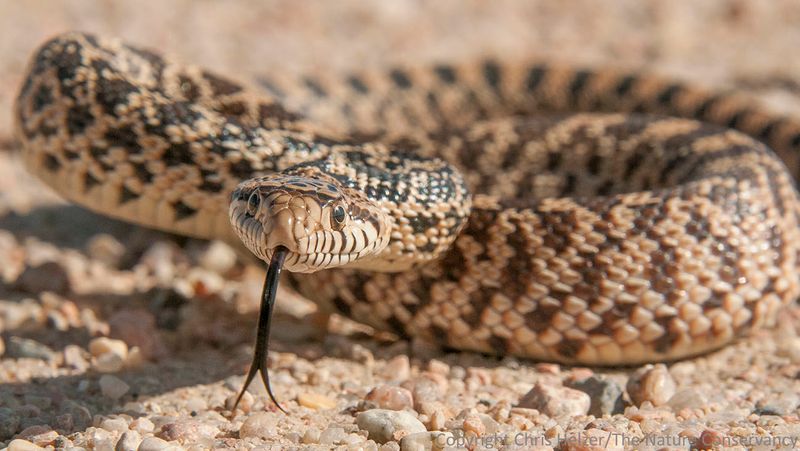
pixel 321 223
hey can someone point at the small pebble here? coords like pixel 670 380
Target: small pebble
pixel 315 401
pixel 113 387
pixel 153 444
pixel 142 425
pixel 39 435
pixel 135 358
pixel 398 369
pixel 390 446
pixel 437 419
pixel 106 249
pixel 114 424
pixel 108 363
pixel 473 425
pixel 555 401
pixel 709 439
pixel 129 441
pixel 196 404
pixel 424 388
pixel 245 404
pixel 48 276
pixel 331 436
pixel 261 425
pixel 21 348
pixel 80 416
pixel 100 439
pixel 651 383
pixel 437 366
pixel 779 403
pixel 391 397
pixel 105 345
pixel 23 445
pixel 218 257
pixel 9 423
pixel 789 348
pixel 386 425
pixel 311 436
pixel 137 327
pixel 427 441
pixel 75 357
pixel 605 394
pixel 188 431
pixel 689 398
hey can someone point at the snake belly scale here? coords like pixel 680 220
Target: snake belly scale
pixel 598 217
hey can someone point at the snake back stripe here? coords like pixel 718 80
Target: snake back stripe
pixel 588 216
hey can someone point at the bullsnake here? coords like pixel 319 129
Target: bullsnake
pixel 594 217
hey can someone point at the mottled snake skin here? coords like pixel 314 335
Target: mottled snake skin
pixel 608 226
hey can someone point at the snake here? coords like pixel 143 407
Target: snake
pixel 586 216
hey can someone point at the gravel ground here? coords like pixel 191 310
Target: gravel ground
pixel 116 337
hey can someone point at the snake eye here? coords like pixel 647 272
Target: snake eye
pixel 253 203
pixel 338 214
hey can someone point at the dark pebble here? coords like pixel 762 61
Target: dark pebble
pixel 606 395
pixel 49 276
pixel 19 348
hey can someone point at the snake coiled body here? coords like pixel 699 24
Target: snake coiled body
pixel 582 216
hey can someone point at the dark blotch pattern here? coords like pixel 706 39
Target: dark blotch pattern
pixel 221 86
pixel 400 78
pixel 446 74
pixel 79 118
pixel 183 211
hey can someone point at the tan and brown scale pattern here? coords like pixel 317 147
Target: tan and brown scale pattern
pixel 607 225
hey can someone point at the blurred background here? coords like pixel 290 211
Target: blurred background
pixel 713 41
pixel 68 276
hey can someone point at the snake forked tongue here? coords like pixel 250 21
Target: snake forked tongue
pixel 264 318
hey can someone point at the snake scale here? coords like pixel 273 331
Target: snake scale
pixel 594 217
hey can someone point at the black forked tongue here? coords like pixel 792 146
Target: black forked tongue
pixel 264 318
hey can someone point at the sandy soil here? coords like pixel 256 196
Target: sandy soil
pixel 181 313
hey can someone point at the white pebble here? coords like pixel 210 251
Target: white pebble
pixel 315 401
pixel 196 404
pixel 391 397
pixel 113 387
pixel 128 442
pixel 390 446
pixel 100 439
pixel 245 404
pixel 23 445
pixel 556 401
pixel 427 441
pixel 114 424
pixel 398 369
pixel 219 257
pixel 259 425
pixel 331 436
pixel 154 444
pixel 106 248
pixel 104 345
pixel 108 363
pixel 651 383
pixel 311 436
pixel 387 425
pixel 142 425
